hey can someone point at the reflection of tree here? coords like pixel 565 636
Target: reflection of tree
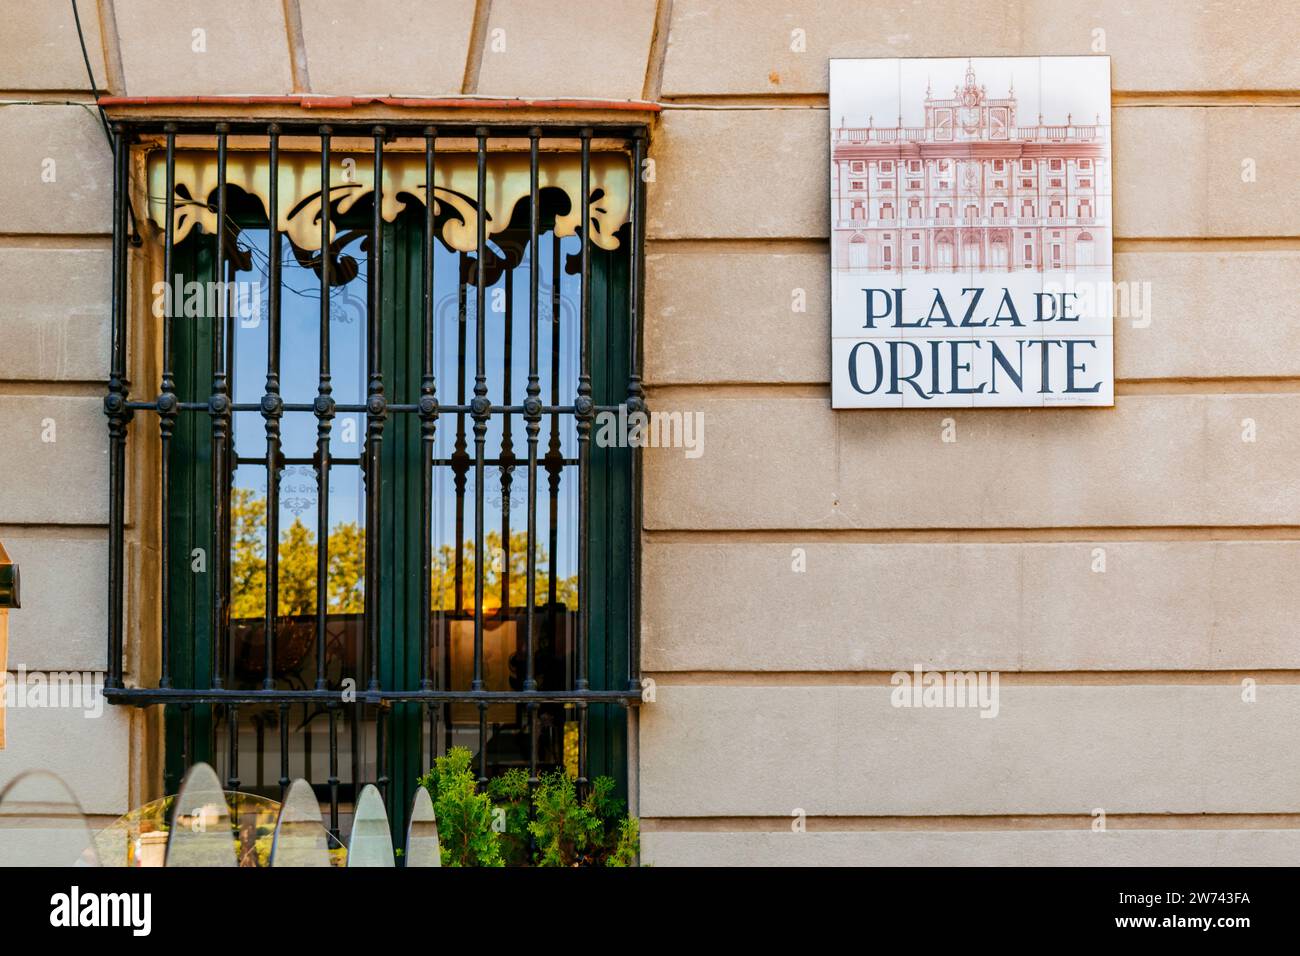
pixel 444 575
pixel 346 568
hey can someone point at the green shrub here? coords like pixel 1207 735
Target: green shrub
pixel 567 831
pixel 509 793
pixel 588 832
pixel 465 832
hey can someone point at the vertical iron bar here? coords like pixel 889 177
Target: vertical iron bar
pixel 187 736
pixel 284 750
pixel 167 410
pixel 306 742
pixel 480 408
pixel 584 408
pixel 533 419
pixel 272 408
pixel 507 459
pixel 636 403
pixel 376 412
pixel 381 778
pixel 232 744
pixel 115 407
pixel 334 771
pixel 260 724
pixel 459 458
pixel 356 726
pixel 324 411
pixel 433 735
pixel 219 409
pixel 554 455
pixel 428 412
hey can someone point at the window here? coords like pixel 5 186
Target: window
pixel 857 184
pixel 1054 184
pixel 914 184
pixel 360 418
pixel 1085 164
pixel 1026 184
pixel 914 165
pixel 858 166
pixel 1056 165
pixel 1027 165
pixel 886 166
pixel 1085 183
pixel 886 184
pixel 998 165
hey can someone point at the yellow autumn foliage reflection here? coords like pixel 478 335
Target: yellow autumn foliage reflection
pixel 346 568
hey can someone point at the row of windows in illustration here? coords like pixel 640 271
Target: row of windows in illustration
pixel 1059 251
pixel 860 185
pixel 972 212
pixel 885 167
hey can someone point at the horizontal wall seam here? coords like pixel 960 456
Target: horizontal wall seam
pixel 68 388
pixel 85 532
pixel 42 97
pixel 88 241
pixel 1049 535
pixel 1119 98
pixel 1284 385
pixel 1192 677
pixel 1020 822
pixel 768 245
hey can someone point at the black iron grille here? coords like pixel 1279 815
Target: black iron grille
pixel 245 674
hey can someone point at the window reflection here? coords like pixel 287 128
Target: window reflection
pixel 455 558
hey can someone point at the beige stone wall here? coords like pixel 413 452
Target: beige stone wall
pixel 1120 691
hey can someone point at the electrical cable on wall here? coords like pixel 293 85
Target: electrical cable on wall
pixel 103 118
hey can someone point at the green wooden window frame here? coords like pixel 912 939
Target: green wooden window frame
pixel 610 512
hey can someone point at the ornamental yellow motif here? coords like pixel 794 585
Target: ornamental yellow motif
pixel 351 179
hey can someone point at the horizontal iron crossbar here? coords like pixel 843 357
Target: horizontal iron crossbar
pixel 144 696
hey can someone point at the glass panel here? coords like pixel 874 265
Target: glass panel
pixel 201 830
pixel 139 838
pixel 262 762
pixel 505 502
pixel 41 824
pixel 371 844
pixel 300 837
pixel 422 847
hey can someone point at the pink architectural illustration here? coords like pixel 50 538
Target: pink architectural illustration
pixel 974 189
